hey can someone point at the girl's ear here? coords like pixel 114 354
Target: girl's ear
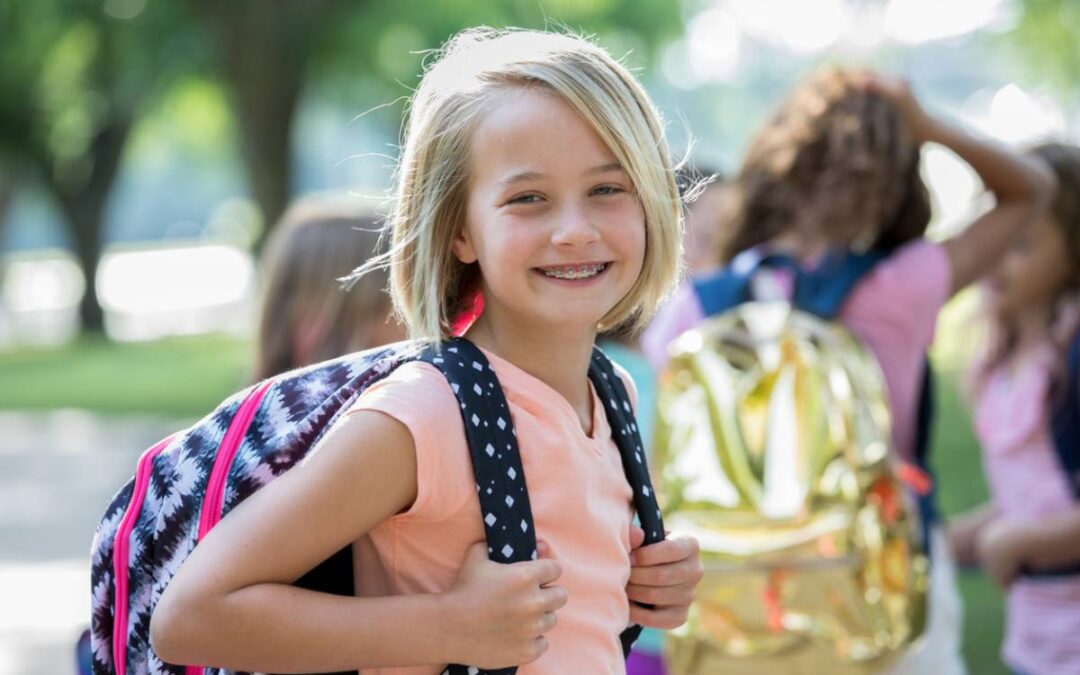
pixel 463 248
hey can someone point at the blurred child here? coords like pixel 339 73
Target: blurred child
pixel 306 315
pixel 1019 386
pixel 533 170
pixel 836 171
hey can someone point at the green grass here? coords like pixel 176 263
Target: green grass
pixel 184 377
pixel 189 376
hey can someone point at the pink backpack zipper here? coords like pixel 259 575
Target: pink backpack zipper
pixel 208 516
pixel 120 554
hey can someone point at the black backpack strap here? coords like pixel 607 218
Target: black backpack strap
pixel 500 480
pixel 1065 423
pixel 624 430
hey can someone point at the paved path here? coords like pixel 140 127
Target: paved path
pixel 58 471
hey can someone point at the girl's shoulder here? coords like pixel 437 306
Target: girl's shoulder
pixel 913 282
pixel 412 387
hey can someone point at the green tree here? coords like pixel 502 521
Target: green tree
pixel 1047 34
pixel 74 76
pixel 271 55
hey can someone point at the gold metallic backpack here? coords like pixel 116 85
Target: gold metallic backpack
pixel 773 447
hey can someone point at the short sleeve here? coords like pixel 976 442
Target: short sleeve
pixel 418 396
pixel 909 288
pixel 678 315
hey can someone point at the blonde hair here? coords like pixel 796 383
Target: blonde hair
pixel 428 284
pixel 316 244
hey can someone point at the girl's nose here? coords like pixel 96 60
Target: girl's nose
pixel 574 228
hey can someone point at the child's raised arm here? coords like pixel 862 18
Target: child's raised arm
pixel 1022 186
pixel 231 603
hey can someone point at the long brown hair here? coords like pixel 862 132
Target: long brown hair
pixel 836 162
pixel 1064 319
pixel 317 243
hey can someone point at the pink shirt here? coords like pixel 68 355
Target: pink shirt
pixel 1028 483
pixel 893 310
pixel 580 499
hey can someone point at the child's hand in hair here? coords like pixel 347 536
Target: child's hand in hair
pixel 664 575
pixel 500 613
pixel 898 90
pixel 1000 546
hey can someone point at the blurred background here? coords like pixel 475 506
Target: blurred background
pixel 146 148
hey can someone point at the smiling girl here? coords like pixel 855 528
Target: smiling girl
pixel 535 173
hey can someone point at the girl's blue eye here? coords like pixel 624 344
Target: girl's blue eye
pixel 605 190
pixel 525 199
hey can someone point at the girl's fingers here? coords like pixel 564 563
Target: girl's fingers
pixel 673 549
pixel 553 598
pixel 687 570
pixel 547 622
pixel 662 596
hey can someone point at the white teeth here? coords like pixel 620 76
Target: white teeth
pixel 575 272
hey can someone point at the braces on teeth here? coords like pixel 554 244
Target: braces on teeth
pixel 575 272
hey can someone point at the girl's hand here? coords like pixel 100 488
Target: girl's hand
pixel 1000 548
pixel 664 575
pixel 961 538
pixel 963 531
pixel 898 91
pixel 501 612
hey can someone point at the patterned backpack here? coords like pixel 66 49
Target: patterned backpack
pixel 186 483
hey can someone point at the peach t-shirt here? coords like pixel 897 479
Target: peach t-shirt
pixel 581 504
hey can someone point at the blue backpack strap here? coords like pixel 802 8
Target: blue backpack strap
pixel 722 290
pixel 924 420
pixel 821 291
pixel 1065 423
pixel 624 431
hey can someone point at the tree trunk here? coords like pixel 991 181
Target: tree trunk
pixel 263 56
pixel 83 205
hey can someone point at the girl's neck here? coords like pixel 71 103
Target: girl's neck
pixel 560 359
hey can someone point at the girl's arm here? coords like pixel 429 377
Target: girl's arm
pixel 1006 547
pixel 1053 543
pixel 231 603
pixel 1021 185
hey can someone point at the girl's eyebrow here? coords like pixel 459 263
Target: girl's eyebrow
pixel 533 175
pixel 604 168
